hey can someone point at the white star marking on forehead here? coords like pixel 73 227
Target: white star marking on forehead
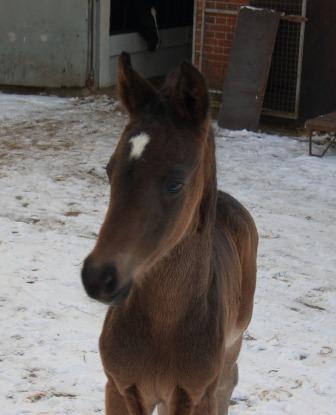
pixel 138 143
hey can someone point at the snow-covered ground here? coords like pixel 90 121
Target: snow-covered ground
pixel 53 195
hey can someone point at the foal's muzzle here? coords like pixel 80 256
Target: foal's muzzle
pixel 102 283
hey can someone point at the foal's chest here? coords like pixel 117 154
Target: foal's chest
pixel 133 354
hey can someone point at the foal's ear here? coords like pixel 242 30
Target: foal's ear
pixel 134 92
pixel 188 93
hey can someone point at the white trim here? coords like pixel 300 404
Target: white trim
pixel 102 35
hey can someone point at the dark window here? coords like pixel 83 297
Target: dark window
pixel 125 14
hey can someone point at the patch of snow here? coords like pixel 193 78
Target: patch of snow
pixel 21 106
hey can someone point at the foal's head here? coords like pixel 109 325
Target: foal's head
pixel 159 176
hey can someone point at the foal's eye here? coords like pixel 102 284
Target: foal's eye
pixel 174 186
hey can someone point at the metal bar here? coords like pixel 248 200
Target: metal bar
pixel 200 64
pixel 221 11
pixel 89 82
pixel 279 114
pixel 294 18
pixel 300 58
pixel 215 91
pixel 194 33
pixel 288 17
pixel 311 143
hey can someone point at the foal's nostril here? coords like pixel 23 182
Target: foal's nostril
pixel 109 278
pixel 99 281
pixel 89 279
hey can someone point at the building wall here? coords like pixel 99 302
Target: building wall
pixel 43 42
pixel 211 54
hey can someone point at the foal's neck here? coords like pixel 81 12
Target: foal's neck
pixel 178 284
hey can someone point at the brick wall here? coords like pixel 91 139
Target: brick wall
pixel 218 31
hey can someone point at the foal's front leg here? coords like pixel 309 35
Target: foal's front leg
pixel 208 406
pixel 114 402
pixel 183 404
pixel 127 404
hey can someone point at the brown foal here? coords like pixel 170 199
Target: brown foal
pixel 175 258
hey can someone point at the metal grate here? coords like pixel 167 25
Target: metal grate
pixel 284 82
